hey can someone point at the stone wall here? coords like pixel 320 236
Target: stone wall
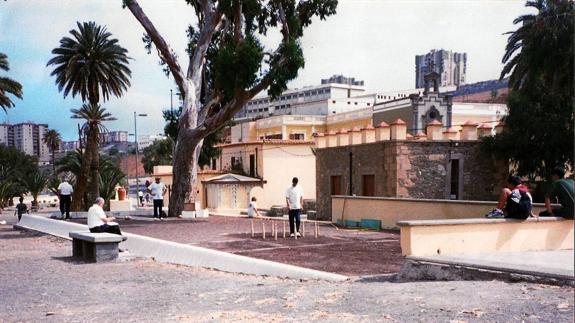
pixel 415 169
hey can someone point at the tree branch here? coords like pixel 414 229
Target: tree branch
pixel 164 50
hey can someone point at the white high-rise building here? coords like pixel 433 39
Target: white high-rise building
pixel 26 137
pixel 451 66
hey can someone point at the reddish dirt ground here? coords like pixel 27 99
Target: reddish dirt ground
pixel 342 251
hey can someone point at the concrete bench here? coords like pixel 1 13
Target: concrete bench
pixel 471 236
pixel 96 247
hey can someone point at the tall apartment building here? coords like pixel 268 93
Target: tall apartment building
pixel 334 95
pixel 451 66
pixel 26 137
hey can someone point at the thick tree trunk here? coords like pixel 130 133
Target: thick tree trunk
pixel 185 165
pixel 92 145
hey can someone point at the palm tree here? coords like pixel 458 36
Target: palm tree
pixel 34 182
pixel 52 139
pixel 90 64
pixel 8 86
pixel 110 176
pixel 545 41
pixel 94 115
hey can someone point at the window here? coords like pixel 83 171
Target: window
pixel 252 165
pixel 335 185
pixel 297 136
pixel 368 185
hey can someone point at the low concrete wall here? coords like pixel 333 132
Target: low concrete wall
pixel 391 210
pixel 470 236
pixel 178 253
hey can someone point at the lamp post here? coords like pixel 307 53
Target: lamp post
pixel 137 157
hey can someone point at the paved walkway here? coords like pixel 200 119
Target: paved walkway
pixel 543 263
pixel 39 281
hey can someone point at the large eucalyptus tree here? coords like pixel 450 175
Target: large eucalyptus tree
pixel 227 66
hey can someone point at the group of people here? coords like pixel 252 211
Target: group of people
pixel 516 202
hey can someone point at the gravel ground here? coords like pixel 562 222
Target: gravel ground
pixel 365 252
pixel 39 281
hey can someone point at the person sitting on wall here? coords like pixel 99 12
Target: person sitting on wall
pixel 561 189
pixel 253 208
pixel 514 199
pixel 98 222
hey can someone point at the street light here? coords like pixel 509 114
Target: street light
pixel 136 141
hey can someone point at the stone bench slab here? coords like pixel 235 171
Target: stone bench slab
pixel 97 237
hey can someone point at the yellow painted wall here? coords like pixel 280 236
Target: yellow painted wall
pixel 392 210
pixel 283 162
pixel 490 236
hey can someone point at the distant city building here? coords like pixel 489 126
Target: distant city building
pixel 113 137
pixel 147 140
pixel 69 145
pixel 340 79
pixel 335 95
pixel 451 66
pixel 26 137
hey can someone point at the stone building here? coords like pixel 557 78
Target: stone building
pixel 386 161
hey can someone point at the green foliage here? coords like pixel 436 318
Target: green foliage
pixel 236 65
pixel 541 49
pixel 110 176
pixel 34 182
pixel 158 153
pixel 13 163
pixel 90 64
pixel 539 130
pixel 8 86
pixel 283 71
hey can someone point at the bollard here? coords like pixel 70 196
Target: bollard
pixel 284 222
pixel 263 231
pixel 275 231
pixel 303 229
pixel 316 230
pixel 252 228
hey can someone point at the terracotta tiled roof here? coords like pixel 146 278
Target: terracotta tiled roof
pixel 342 131
pixel 368 127
pixel 484 126
pixel 435 123
pixel 383 124
pixel 469 123
pixel 269 141
pixel 355 129
pixel 450 130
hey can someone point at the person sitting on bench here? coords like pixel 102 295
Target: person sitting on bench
pixel 98 222
pixel 515 200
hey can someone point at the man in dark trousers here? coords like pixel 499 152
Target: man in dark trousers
pixel 294 200
pixel 65 191
pixel 157 190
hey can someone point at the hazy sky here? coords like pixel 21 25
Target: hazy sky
pixel 371 40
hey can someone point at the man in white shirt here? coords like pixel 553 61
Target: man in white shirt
pixel 65 191
pixel 157 190
pixel 294 200
pixel 98 222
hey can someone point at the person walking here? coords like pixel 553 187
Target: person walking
pixel 65 191
pixel 98 222
pixel 21 208
pixel 294 200
pixel 157 190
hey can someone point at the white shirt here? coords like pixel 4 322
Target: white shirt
pixel 157 190
pixel 65 188
pixel 95 216
pixel 252 209
pixel 294 194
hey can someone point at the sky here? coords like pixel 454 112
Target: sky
pixel 371 40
